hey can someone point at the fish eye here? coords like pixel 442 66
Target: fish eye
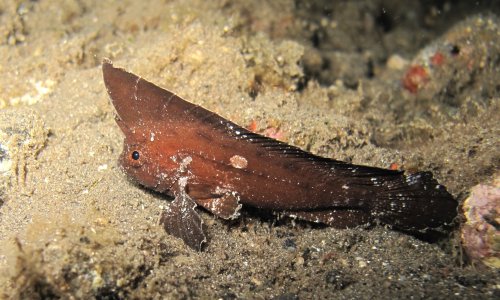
pixel 135 155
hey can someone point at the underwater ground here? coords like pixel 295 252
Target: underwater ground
pixel 413 85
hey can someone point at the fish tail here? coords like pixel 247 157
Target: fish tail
pixel 414 202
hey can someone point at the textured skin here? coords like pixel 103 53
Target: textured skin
pixel 179 148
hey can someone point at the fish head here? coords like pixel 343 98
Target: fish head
pixel 145 161
pixel 140 114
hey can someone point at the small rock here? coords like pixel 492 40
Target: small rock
pixel 480 233
pixel 396 62
pixel 289 244
pixel 337 279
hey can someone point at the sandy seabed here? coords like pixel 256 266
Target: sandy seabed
pixel 342 80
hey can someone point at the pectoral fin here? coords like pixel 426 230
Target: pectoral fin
pixel 227 206
pixel 181 220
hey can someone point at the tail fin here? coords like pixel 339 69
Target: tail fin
pixel 415 203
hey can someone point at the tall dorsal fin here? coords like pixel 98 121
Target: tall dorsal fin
pixel 137 100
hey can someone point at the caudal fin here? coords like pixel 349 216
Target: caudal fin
pixel 415 203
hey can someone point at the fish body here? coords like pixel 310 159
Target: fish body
pixel 175 147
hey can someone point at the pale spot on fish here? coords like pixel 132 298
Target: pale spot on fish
pixel 238 162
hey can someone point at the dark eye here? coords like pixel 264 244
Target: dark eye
pixel 455 50
pixel 135 155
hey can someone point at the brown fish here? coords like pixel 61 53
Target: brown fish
pixel 175 147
